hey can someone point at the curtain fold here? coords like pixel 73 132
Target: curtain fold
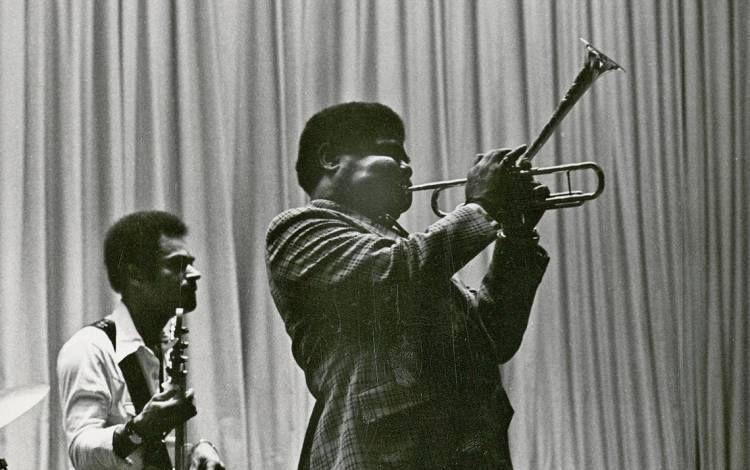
pixel 636 355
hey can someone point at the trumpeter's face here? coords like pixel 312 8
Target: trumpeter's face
pixel 374 180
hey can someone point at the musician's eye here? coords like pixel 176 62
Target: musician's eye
pixel 179 263
pixel 403 157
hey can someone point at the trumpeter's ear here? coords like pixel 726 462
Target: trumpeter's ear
pixel 327 159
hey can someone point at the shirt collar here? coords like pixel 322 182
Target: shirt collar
pixel 128 338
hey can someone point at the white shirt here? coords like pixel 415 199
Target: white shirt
pixel 94 396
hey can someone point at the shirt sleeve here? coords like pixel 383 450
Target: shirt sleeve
pixel 85 373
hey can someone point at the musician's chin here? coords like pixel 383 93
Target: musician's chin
pixel 404 200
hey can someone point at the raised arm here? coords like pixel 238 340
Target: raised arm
pixel 323 249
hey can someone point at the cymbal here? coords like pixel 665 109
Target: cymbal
pixel 18 400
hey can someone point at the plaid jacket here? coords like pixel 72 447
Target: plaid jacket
pixel 401 358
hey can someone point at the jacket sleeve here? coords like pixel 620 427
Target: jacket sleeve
pixel 504 300
pixel 321 250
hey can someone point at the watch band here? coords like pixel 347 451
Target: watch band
pixel 126 440
pixel 132 434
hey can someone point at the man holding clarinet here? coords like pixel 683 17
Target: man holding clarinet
pixel 114 414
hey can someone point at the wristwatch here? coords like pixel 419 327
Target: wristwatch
pixel 131 434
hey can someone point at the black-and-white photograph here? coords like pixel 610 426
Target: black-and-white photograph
pixel 374 234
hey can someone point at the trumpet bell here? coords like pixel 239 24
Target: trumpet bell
pixel 596 63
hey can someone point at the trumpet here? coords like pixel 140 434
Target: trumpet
pixel 596 63
pixel 559 200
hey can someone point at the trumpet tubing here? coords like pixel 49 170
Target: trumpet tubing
pixel 560 200
pixel 596 63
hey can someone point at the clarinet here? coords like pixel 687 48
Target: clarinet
pixel 178 381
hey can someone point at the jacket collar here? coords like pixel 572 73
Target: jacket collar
pixel 387 226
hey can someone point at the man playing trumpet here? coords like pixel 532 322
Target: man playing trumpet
pixel 402 359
